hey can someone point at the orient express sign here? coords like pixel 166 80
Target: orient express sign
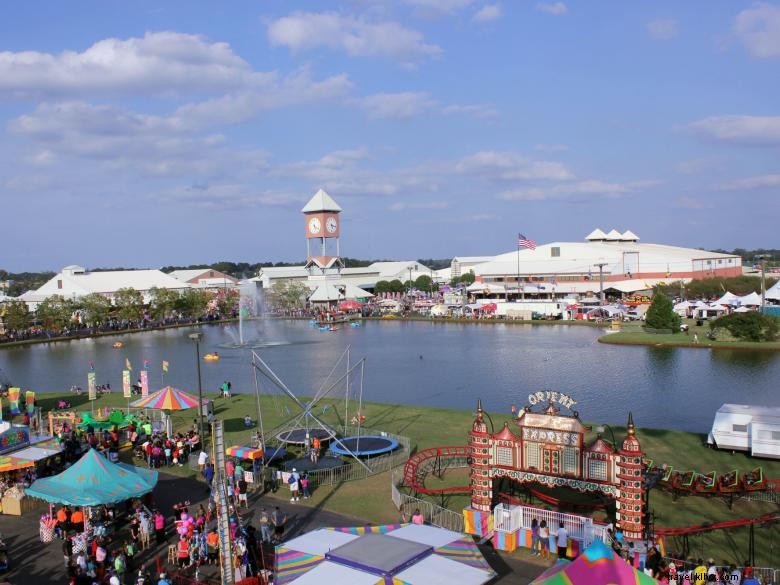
pixel 545 436
pixel 552 397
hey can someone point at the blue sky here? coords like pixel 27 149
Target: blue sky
pixel 146 134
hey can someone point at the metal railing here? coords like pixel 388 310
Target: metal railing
pixel 766 574
pixel 433 514
pixel 509 518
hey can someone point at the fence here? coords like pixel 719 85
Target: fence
pixel 433 514
pixel 512 518
pixel 766 574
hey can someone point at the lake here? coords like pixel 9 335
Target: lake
pixel 433 364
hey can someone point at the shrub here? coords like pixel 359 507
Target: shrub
pixel 661 314
pixel 752 326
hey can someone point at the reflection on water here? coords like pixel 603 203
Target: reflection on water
pixel 437 364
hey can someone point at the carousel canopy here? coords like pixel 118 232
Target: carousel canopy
pixel 408 553
pixel 168 398
pixel 598 564
pixel 93 480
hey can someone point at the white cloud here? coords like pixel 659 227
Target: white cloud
pixel 740 129
pixel 663 29
pixel 357 37
pixel 430 205
pixel 476 110
pixel 221 196
pixel 510 166
pixel 566 190
pixel 556 8
pixel 758 28
pixel 488 13
pixel 158 63
pixel 541 147
pixel 397 106
pixel 760 182
pixel 439 6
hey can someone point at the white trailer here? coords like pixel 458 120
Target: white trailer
pixel 526 309
pixel 743 427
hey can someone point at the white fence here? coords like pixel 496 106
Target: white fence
pixel 433 514
pixel 512 518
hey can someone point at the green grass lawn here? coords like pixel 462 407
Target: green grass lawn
pixel 369 499
pixel 633 334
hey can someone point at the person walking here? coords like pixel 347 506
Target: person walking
pixel 265 526
pixel 535 537
pixel 562 537
pixel 279 519
pixel 159 526
pixel 544 538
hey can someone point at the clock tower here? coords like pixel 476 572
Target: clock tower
pixel 323 227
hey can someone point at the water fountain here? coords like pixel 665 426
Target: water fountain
pixel 250 310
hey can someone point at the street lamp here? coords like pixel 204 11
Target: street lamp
pixel 196 337
pixel 763 258
pixel 605 427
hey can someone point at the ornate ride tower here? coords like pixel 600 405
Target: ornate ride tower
pixel 631 480
pixel 479 473
pixel 323 257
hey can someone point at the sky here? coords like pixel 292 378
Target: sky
pixel 144 134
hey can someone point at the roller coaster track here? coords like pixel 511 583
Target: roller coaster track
pixel 435 460
pixel 683 530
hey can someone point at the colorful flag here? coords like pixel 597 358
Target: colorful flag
pixel 127 365
pixel 144 383
pixel 523 242
pixel 127 391
pixel 165 366
pixel 91 387
pixel 146 364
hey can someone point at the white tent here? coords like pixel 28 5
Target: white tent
pixel 742 310
pixel 773 293
pixel 682 308
pixel 728 299
pixel 488 287
pixel 328 292
pixel 439 311
pixel 751 300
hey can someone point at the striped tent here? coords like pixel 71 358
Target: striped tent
pixel 168 398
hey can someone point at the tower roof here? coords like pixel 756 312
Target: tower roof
pixel 320 202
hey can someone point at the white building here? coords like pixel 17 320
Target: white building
pixel 207 278
pixel 460 265
pixel 561 269
pixel 74 281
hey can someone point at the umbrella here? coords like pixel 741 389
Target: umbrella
pixel 598 564
pixel 92 481
pixel 168 398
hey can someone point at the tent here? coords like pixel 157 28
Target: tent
pixel 751 300
pixel 168 398
pixel 728 299
pixel 773 292
pixel 439 311
pixel 598 564
pixel 411 554
pixel 682 308
pixel 93 480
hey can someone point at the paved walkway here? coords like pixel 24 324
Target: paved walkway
pixel 35 563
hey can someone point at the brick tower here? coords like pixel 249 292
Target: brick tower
pixel 480 460
pixel 631 477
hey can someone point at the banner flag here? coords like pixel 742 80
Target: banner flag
pixel 144 383
pixel 127 390
pixel 127 365
pixel 91 387
pixel 165 366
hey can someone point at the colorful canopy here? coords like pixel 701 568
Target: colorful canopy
pixel 244 452
pixel 168 398
pixel 93 480
pixel 402 554
pixel 598 564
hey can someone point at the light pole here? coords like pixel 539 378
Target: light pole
pixel 196 337
pixel 763 258
pixel 605 427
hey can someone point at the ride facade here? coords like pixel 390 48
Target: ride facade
pixel 547 447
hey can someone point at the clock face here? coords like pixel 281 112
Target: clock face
pixel 331 224
pixel 314 225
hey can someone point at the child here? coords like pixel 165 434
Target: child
pixel 305 485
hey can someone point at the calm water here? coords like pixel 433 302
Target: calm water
pixel 669 388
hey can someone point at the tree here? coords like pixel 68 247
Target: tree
pixel 17 316
pixel 163 302
pixel 288 294
pixel 382 286
pixel 193 303
pixel 661 313
pixel 129 304
pixel 396 286
pixel 423 282
pixel 467 279
pixel 751 326
pixel 96 308
pixel 55 312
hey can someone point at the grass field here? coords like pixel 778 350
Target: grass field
pixel 633 334
pixel 369 499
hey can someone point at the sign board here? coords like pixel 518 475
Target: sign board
pixel 144 383
pixel 552 397
pixel 14 438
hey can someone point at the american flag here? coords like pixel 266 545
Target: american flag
pixel 523 242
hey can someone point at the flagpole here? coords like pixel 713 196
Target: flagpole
pixel 518 266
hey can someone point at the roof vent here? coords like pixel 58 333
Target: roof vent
pixel 596 236
pixel 613 236
pixel 629 236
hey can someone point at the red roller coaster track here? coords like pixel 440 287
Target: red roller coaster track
pixel 434 459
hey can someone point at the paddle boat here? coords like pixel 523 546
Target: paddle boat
pixel 211 357
pixel 117 345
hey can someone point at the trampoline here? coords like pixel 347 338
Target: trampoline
pixel 364 446
pixel 298 436
pixel 306 464
pixel 274 454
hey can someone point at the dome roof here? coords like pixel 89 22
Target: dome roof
pixel 596 235
pixel 505 434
